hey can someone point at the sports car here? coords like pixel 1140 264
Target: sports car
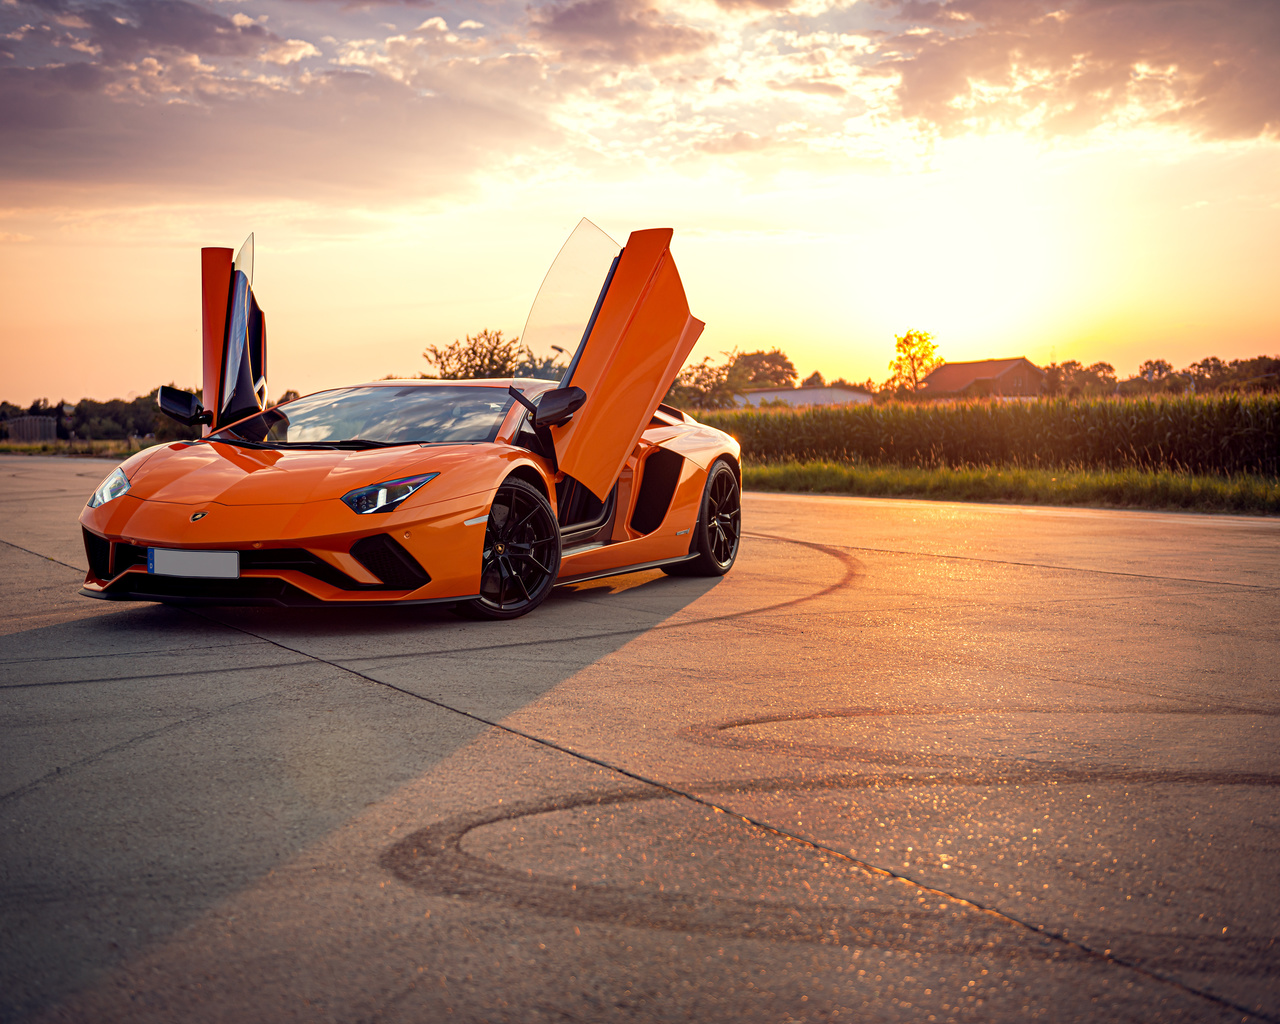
pixel 482 494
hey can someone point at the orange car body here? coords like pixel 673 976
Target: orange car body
pixel 282 510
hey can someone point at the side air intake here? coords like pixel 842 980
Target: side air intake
pixel 98 551
pixel 390 562
pixel 659 476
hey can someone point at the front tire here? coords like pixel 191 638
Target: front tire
pixel 521 558
pixel 719 528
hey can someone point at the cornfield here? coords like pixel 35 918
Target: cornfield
pixel 1221 434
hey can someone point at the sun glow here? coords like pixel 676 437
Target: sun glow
pixel 829 182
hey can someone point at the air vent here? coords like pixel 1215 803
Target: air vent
pixel 127 555
pixel 390 562
pixel 658 481
pixel 98 551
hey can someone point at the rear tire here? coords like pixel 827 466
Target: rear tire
pixel 719 528
pixel 521 557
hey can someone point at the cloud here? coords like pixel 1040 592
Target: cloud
pixel 734 143
pixel 176 128
pixel 1067 67
pixel 626 31
pixel 753 5
pixel 126 29
pixel 290 51
pixel 811 87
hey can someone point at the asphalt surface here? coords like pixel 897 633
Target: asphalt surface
pixel 907 762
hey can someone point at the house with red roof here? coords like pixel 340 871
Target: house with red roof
pixel 1004 378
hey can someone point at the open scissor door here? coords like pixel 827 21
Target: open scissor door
pixel 638 336
pixel 234 336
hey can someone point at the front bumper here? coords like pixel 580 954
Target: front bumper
pixel 272 576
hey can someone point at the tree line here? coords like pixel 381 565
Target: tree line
pixel 703 385
pixel 1157 376
pixel 112 420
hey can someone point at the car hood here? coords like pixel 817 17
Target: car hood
pixel 191 474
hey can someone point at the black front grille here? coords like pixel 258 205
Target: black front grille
pixel 127 555
pixel 381 555
pixel 390 562
pixel 247 590
pixel 98 551
pixel 299 560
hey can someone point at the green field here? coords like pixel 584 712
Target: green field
pixel 1116 488
pixel 1224 435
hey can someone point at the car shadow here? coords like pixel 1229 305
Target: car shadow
pixel 161 759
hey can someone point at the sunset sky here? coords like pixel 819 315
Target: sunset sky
pixel 1080 179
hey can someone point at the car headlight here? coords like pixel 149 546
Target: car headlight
pixel 112 487
pixel 384 497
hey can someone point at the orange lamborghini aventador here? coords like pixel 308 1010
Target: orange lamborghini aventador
pixel 483 494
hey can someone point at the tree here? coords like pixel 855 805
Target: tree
pixel 1073 379
pixel 917 357
pixel 1155 370
pixel 1262 373
pixel 814 380
pixel 487 354
pixel 551 368
pixel 707 385
pixel 867 386
pixel 1155 376
pixel 770 369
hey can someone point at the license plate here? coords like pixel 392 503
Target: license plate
pixel 209 565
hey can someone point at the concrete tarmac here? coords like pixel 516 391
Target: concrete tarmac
pixel 908 761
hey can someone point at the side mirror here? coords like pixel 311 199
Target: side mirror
pixel 558 406
pixel 183 407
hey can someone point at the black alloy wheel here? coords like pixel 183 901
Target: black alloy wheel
pixel 521 554
pixel 719 527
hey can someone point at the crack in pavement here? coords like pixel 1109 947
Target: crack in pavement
pixel 83 762
pixel 688 793
pixel 1103 956
pixel 154 675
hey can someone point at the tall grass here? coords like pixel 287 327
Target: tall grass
pixel 1217 434
pixel 1128 488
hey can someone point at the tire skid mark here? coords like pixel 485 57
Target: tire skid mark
pixel 852 569
pixel 433 860
pixel 1091 953
pixel 1054 568
pixel 1005 769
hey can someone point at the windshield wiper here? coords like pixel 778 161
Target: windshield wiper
pixel 350 444
pixel 239 442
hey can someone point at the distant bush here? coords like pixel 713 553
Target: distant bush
pixel 1224 434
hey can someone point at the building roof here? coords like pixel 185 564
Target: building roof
pixel 803 387
pixel 958 376
pixel 813 394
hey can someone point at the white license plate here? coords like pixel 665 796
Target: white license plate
pixel 210 565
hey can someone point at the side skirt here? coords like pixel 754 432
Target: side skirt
pixel 622 570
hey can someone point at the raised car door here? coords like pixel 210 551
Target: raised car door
pixel 639 335
pixel 234 336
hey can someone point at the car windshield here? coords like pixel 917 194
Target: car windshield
pixel 374 416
